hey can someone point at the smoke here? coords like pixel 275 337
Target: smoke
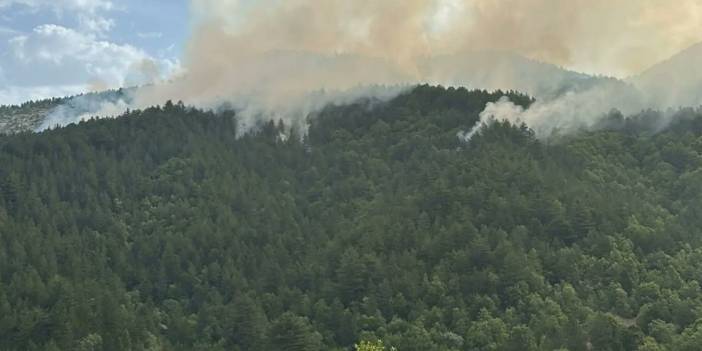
pixel 287 58
pixel 565 113
pixel 675 82
pixel 596 36
pixel 83 107
pixel 617 38
pixel 285 85
pixel 502 110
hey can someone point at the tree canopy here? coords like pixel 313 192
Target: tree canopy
pixel 160 230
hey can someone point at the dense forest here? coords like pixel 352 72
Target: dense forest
pixel 160 230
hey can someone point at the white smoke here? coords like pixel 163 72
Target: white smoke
pixel 84 107
pixel 502 110
pixel 286 59
pixel 566 113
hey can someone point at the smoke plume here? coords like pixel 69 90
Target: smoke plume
pixel 617 38
pixel 286 58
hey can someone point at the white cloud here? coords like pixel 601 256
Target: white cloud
pixel 96 24
pixel 91 6
pixel 71 61
pixel 52 45
pixel 90 14
pixel 74 55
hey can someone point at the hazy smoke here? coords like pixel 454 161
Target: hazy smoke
pixel 574 109
pixel 83 107
pixel 675 82
pixel 286 58
pixel 619 37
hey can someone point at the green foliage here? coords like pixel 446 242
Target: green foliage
pixel 294 333
pixel 372 346
pixel 160 230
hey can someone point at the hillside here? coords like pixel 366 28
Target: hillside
pixel 506 70
pixel 26 117
pixel 42 114
pixel 683 76
pixel 489 70
pixel 161 231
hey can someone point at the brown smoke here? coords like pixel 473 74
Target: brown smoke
pixel 619 37
pixel 267 56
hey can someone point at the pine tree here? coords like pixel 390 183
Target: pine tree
pixel 294 333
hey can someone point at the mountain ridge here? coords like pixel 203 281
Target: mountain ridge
pixel 489 70
pixel 674 82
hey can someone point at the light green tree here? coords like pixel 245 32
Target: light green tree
pixel 372 346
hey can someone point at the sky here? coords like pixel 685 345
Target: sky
pixel 64 47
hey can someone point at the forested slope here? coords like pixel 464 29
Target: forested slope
pixel 160 230
pixel 26 117
pixel 47 113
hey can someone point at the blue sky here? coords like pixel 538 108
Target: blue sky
pixel 61 47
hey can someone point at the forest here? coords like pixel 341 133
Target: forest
pixel 161 230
